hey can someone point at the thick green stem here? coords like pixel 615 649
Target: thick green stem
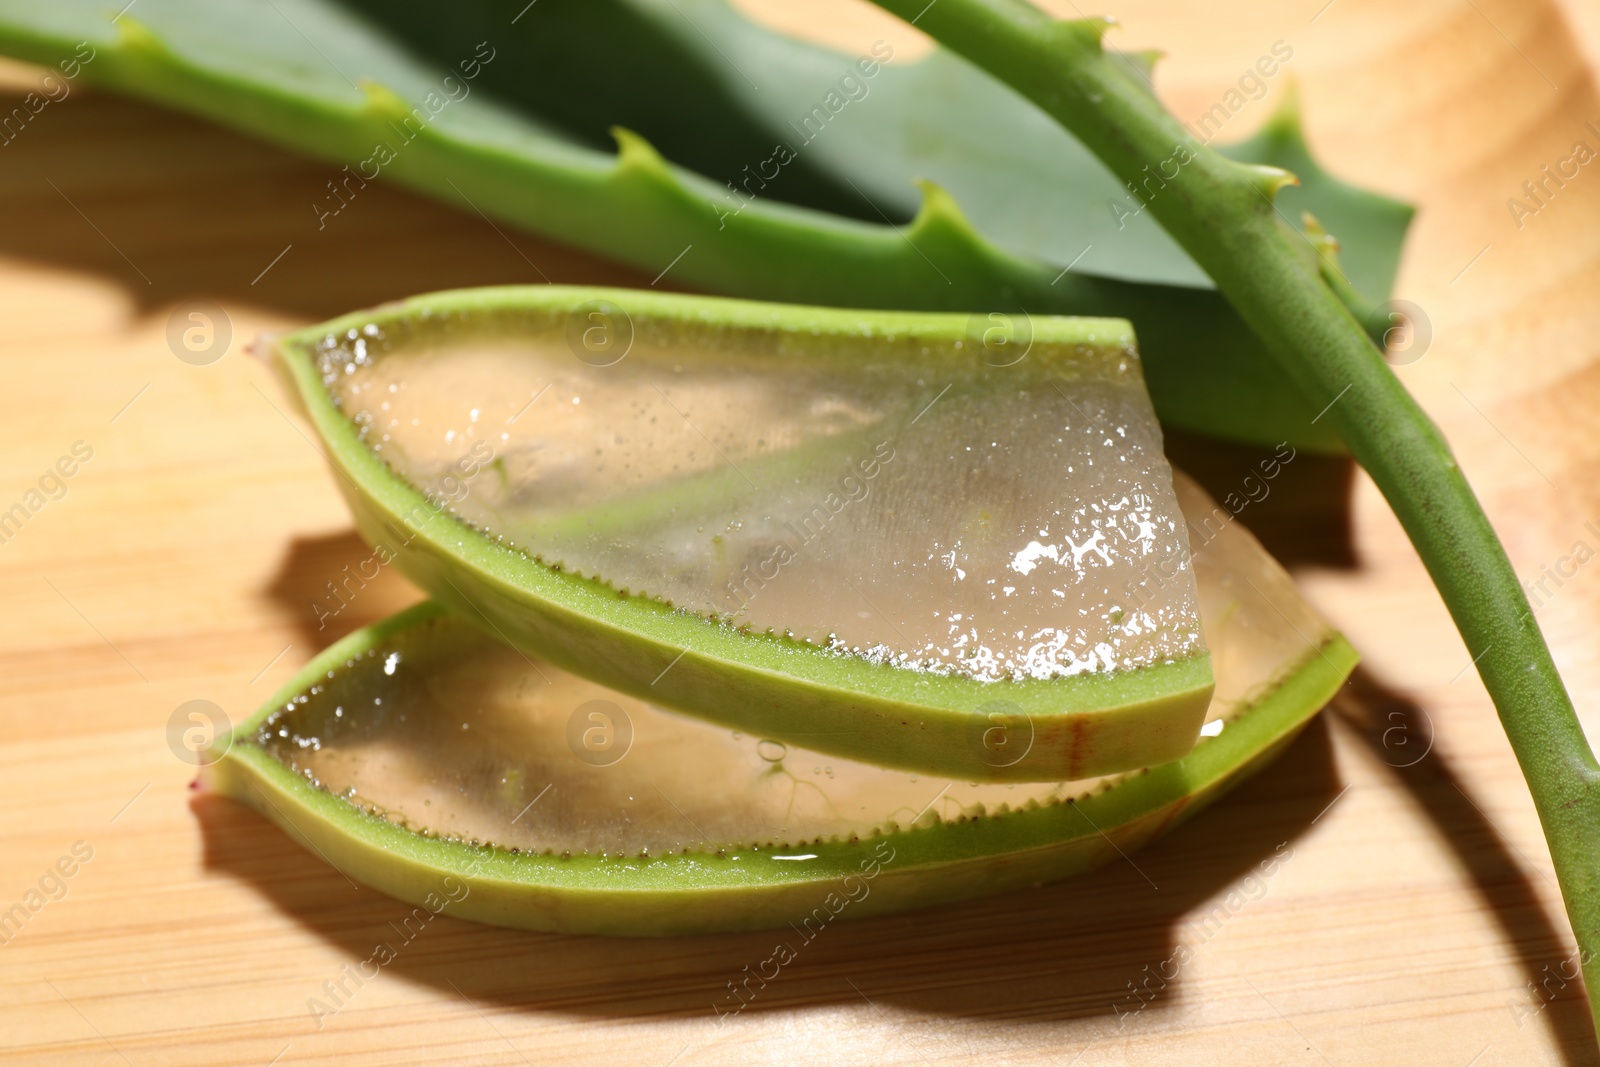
pixel 1223 213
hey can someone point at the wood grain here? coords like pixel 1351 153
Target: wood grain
pixel 1410 926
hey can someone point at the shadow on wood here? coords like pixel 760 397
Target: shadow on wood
pixel 98 185
pixel 333 585
pixel 1297 505
pixel 1401 734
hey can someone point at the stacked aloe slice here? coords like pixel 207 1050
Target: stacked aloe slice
pixel 735 602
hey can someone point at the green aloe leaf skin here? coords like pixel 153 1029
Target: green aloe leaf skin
pixel 1082 720
pixel 421 753
pixel 528 154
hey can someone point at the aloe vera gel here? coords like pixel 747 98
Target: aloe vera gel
pixel 453 733
pixel 909 502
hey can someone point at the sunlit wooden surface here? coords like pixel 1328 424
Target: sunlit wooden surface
pixel 1412 924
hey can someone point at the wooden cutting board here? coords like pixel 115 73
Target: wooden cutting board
pixel 1415 921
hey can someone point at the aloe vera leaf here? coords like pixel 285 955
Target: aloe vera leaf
pixel 421 751
pixel 254 67
pixel 681 75
pixel 1370 227
pixel 1125 685
pixel 1227 220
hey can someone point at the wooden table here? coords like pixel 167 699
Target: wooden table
pixel 1411 926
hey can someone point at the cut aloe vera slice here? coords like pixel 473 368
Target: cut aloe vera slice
pixel 875 534
pixel 435 763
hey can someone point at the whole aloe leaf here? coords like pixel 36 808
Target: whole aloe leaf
pixel 319 78
pixel 714 91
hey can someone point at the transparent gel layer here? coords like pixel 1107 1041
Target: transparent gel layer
pixel 926 509
pixel 448 732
